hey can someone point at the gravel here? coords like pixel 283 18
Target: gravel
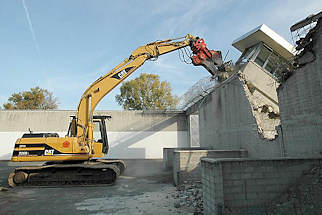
pixel 189 196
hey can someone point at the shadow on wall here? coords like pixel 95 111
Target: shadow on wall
pixel 6 156
pixel 140 137
pixel 124 144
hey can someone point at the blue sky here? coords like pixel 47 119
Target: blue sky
pixel 65 45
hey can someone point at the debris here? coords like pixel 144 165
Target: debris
pixel 305 49
pixel 189 195
pixel 4 189
pixel 304 196
pixel 177 204
pixel 307 21
pixel 264 106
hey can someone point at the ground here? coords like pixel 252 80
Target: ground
pixel 143 189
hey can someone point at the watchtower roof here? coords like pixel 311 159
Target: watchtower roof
pixel 266 35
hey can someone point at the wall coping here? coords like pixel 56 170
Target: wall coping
pixel 206 150
pixel 132 111
pixel 186 148
pixel 220 160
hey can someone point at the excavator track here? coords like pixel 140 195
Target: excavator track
pixel 93 172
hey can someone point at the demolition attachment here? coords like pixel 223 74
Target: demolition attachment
pixel 209 59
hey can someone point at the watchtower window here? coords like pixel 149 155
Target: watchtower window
pixel 272 63
pixel 262 56
pixel 248 54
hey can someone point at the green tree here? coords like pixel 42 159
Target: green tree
pixel 146 93
pixel 36 98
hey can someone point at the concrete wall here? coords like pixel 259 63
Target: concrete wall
pixel 186 163
pixel 243 186
pixel 231 119
pixel 132 134
pixel 301 103
pixel 226 122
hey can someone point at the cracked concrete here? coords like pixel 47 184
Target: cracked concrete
pixel 264 104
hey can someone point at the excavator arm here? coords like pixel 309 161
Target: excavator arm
pixel 102 86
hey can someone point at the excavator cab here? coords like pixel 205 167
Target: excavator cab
pixel 100 130
pixel 99 122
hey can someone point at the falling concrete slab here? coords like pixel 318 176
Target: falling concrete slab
pixel 260 89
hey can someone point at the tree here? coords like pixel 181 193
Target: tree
pixel 36 98
pixel 146 93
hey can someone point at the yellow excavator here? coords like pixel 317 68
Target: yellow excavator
pixel 75 158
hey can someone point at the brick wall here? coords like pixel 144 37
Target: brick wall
pixel 242 186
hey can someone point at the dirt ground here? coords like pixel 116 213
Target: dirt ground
pixel 143 189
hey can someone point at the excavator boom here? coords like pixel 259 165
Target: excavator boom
pixel 105 84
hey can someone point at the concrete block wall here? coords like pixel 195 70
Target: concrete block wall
pixel 212 186
pixel 226 122
pixel 242 186
pixel 168 155
pixel 131 134
pixel 186 163
pixel 300 100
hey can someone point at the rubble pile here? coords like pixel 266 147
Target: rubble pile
pixel 304 197
pixel 304 46
pixel 189 195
